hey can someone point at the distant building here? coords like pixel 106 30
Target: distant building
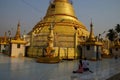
pixel 3 42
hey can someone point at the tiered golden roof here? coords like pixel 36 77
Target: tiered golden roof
pixel 17 39
pixel 92 40
pixel 91 36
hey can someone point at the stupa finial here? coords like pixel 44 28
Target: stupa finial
pixel 5 37
pixel 17 36
pixel 91 36
pixel 61 0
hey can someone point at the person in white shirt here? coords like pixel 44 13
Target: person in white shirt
pixel 80 68
pixel 85 64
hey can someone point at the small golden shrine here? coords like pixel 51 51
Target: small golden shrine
pixel 17 45
pixel 92 47
pixel 17 39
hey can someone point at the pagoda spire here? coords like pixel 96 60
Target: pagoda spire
pixel 17 36
pixel 61 0
pixel 91 36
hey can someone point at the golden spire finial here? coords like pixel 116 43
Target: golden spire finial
pixel 55 9
pixel 61 0
pixel 17 36
pixel 91 36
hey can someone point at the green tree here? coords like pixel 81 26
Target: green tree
pixel 111 34
pixel 117 28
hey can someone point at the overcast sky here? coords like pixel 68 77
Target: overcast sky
pixel 105 14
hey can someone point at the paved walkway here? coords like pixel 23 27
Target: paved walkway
pixel 28 69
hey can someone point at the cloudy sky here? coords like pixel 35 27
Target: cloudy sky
pixel 105 14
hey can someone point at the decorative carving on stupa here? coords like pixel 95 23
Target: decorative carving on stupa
pixel 50 49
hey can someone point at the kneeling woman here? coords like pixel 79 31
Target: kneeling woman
pixel 80 68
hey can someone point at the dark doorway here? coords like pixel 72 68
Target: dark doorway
pixel 97 53
pixel 80 51
pixel 26 50
pixel 10 49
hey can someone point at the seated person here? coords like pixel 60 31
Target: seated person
pixel 80 68
pixel 85 65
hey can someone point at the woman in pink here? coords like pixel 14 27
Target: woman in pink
pixel 80 68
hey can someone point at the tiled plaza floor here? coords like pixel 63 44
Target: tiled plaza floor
pixel 28 69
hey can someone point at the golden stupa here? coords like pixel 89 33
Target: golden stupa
pixel 62 15
pixel 61 25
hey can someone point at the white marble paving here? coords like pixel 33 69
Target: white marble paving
pixel 28 69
